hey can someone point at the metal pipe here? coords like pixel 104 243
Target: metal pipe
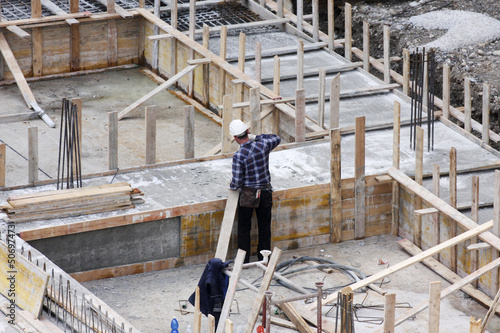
pixel 269 294
pixel 319 310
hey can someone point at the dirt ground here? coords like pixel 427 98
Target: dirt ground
pixel 480 62
pixel 150 300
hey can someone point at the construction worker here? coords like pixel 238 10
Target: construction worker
pixel 251 175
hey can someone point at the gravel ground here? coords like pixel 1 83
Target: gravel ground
pixel 467 32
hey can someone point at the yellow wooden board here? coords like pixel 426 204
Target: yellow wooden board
pixel 23 282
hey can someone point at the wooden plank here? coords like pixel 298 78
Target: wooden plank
pixel 413 260
pixel 335 186
pixel 227 117
pixel 335 102
pixel 2 164
pixel 266 281
pixel 447 274
pixel 226 228
pixel 467 104
pixel 256 123
pixel 321 97
pixel 446 91
pixel 42 20
pixel 389 312
pixel 112 43
pixel 150 118
pixel 276 75
pixel 315 14
pixel 406 72
pixel 496 205
pixel 32 154
pixel 348 31
pixel 487 318
pixel 18 31
pixel 292 314
pixel 116 8
pixel 197 312
pixel 360 209
pixel 387 54
pixel 486 113
pixel 366 46
pixel 231 288
pixel 419 176
pixel 113 140
pixel 300 64
pixel 37 51
pixel 258 62
pixel 211 323
pixel 58 11
pixel 22 277
pixel 331 25
pixel 157 90
pixel 206 69
pixel 300 116
pixel 434 306
pixel 189 131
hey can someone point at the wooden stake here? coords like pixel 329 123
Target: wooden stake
pixel 486 319
pixel 142 3
pixel 434 306
pixel 396 137
pixel 335 186
pixel 331 26
pixel 486 113
pixel 467 105
pixel 475 326
pixel 280 8
pixel 222 73
pixel 36 35
pixel 300 14
pixel 359 187
pixel 241 52
pixel 406 72
pixel 453 203
pixel 197 312
pixel 2 164
pixel 151 113
pixel 419 163
pixel 211 323
pixel 111 6
pixel 36 8
pixel 446 91
pixel 32 154
pixel 229 326
pixel 389 312
pixel 256 125
pixel 173 41
pixel 227 117
pixel 321 97
pixel 156 43
pixel 496 205
pixel 189 131
pixel 192 31
pixel 366 46
pixel 436 227
pixel 206 68
pixel 300 64
pixel 300 115
pixel 474 260
pixel 348 31
pixel 276 76
pixel 315 13
pixel 387 54
pixel 74 30
pixel 258 62
pixel 335 102
pixel 113 140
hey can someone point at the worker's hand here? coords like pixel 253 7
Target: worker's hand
pixel 251 137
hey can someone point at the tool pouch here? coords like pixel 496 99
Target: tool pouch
pixel 249 197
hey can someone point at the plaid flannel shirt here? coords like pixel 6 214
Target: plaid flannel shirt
pixel 251 162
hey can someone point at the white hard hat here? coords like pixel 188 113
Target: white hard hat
pixel 237 128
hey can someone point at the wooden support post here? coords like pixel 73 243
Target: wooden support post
pixel 241 67
pixel 496 205
pixel 280 9
pixel 111 6
pixel 112 36
pixel 192 32
pixel 227 117
pixel 2 164
pixel 474 260
pixel 211 323
pixel 36 35
pixel 229 326
pixel 387 54
pixel 222 73
pixel 446 91
pixel 453 203
pixel 206 68
pixel 366 46
pixel 189 131
pixel 276 75
pixel 2 65
pixel 142 3
pixel 434 306
pixel 258 62
pixel 300 115
pixel 475 326
pixel 300 64
pixel 335 102
pixel 315 13
pixel 331 26
pixel 436 226
pixel 348 31
pixel 266 281
pixel 396 137
pixel 156 43
pixel 113 140
pixel 419 176
pixel 32 154
pixel 197 312
pixel 389 312
pixel 151 113
pixel 321 97
pixel 256 125
pixel 335 186
pixel 492 308
pixel 173 41
pixel 359 187
pixel 74 7
pixel 300 15
pixel 406 72
pixel 467 105
pixel 486 113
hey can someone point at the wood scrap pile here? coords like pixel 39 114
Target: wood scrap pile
pixel 71 202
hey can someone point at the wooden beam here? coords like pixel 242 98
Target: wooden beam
pixel 300 64
pixel 189 131
pixel 331 26
pixel 406 72
pixel 321 97
pixel 54 9
pixel 42 20
pixel 419 175
pixel 446 91
pixel 294 316
pixel 256 123
pixel 366 46
pixel 258 61
pixel 113 140
pixel 387 55
pixel 115 8
pixel 266 281
pixel 150 118
pixel 205 98
pixel 160 37
pixel 434 306
pixel 226 228
pixel 335 186
pixel 496 205
pixel 396 149
pixel 315 19
pixel 200 61
pixel 157 90
pixel 300 117
pixel 335 102
pixel 453 202
pixel 389 312
pixel 359 188
pixel 227 117
pixel 18 31
pixel 276 75
pixel 32 154
pixel 348 31
pixel 486 113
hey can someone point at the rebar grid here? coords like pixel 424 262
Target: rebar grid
pixel 19 10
